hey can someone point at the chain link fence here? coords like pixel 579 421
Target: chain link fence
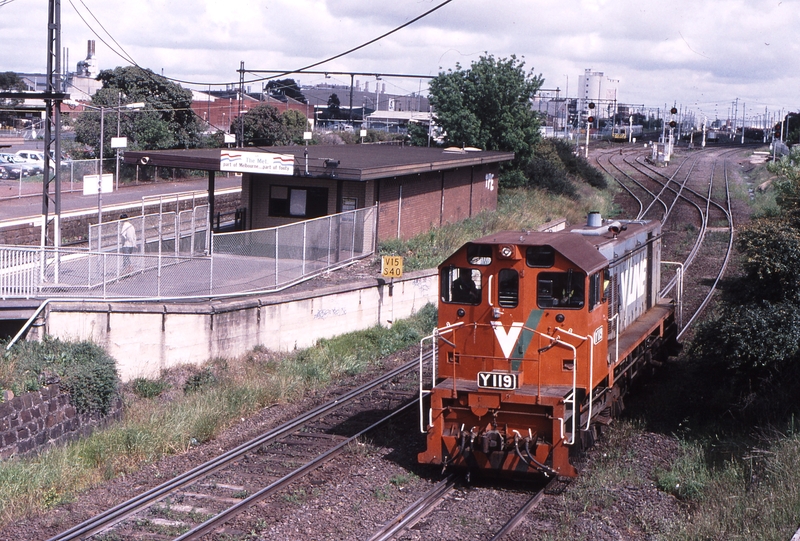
pixel 170 259
pixel 276 257
pixel 176 233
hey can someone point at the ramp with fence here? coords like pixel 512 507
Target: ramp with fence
pixel 171 259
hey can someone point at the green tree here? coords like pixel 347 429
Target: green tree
pixel 9 81
pixel 334 107
pixel 166 121
pixel 754 335
pixel 489 106
pixel 296 124
pixel 418 134
pixel 286 87
pixel 261 126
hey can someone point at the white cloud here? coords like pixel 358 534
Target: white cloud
pixel 687 51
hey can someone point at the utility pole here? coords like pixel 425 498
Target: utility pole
pixel 241 105
pixel 52 130
pixel 744 109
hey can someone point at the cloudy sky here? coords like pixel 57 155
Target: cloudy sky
pixel 700 54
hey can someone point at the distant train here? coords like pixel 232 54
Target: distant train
pixel 539 337
pixel 620 133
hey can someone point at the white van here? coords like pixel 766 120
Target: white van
pixel 35 157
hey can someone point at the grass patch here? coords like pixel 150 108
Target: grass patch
pixel 517 209
pixel 170 421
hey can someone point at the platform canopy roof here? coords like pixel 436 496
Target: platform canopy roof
pixel 346 162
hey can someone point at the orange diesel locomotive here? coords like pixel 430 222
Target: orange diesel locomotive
pixel 539 335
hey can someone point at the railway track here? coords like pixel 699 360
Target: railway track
pixel 203 499
pixel 666 192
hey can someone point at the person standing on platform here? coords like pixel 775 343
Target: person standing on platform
pixel 128 238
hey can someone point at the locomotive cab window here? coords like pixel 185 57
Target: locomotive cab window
pixel 508 288
pixel 479 254
pixel 461 285
pixel 561 289
pixel 596 289
pixel 540 256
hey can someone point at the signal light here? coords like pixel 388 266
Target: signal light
pixel 591 105
pixel 674 111
pixel 672 124
pixel 590 119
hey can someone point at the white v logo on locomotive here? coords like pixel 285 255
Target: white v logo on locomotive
pixel 507 339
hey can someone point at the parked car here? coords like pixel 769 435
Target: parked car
pixel 29 168
pixel 34 157
pixel 11 170
pixel 37 156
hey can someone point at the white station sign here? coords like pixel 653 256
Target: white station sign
pixel 240 161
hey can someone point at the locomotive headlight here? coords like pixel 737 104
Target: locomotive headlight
pixel 506 251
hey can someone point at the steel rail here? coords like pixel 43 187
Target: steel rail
pixel 514 521
pixel 416 511
pixel 728 252
pixel 623 186
pixel 118 513
pixel 707 199
pixel 308 467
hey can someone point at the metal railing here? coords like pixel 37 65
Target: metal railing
pixel 279 256
pixel 177 233
pixel 72 173
pixel 171 260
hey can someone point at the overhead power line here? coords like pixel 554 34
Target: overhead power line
pixel 370 42
pixel 128 58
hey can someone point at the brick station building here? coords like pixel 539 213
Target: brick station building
pixel 414 188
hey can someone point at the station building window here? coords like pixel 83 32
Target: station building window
pixel 292 202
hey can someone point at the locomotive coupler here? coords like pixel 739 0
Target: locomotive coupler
pixel 492 441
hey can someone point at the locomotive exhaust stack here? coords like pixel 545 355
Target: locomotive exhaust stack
pixel 543 331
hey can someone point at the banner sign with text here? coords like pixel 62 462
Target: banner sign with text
pixel 256 162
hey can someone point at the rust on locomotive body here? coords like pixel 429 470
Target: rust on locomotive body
pixel 539 335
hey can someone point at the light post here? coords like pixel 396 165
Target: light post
pixel 102 109
pixel 121 143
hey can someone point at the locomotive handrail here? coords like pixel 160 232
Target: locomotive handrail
pixel 679 296
pixel 615 319
pixel 591 372
pixel 434 348
pixel 574 387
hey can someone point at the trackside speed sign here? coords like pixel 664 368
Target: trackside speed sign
pixel 392 266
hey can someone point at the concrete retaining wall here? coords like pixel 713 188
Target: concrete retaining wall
pixel 145 338
pixel 34 421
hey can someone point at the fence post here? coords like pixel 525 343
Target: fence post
pixel 353 240
pixel 305 227
pixel 211 268
pixel 276 256
pixel 177 230
pixel 330 233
